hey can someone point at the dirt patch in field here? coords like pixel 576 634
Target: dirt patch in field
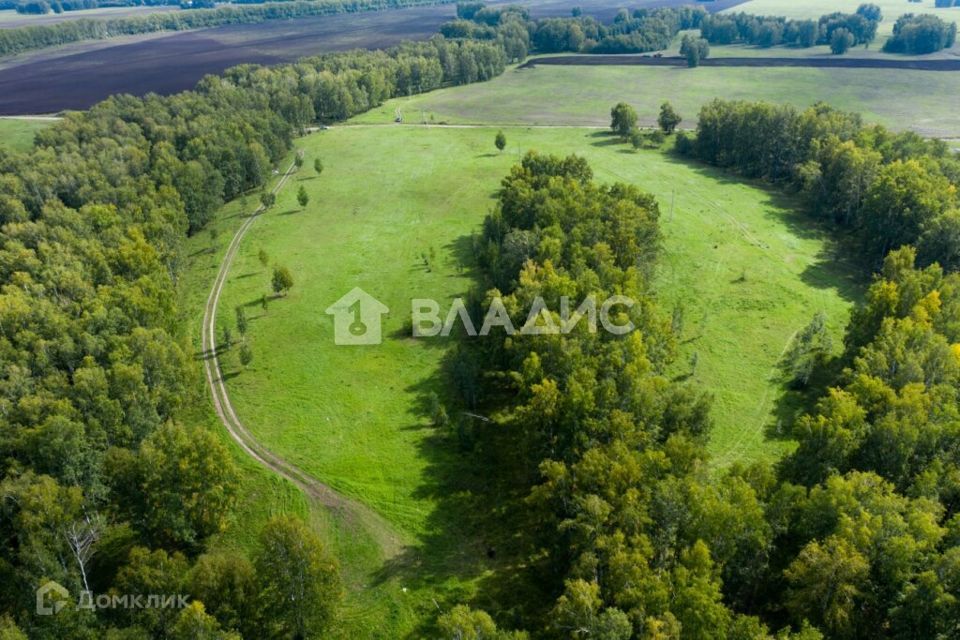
pixel 821 63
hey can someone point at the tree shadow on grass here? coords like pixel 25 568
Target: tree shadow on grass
pixel 834 267
pixel 471 534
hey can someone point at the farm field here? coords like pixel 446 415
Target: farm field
pixel 549 95
pixel 16 134
pixel 49 81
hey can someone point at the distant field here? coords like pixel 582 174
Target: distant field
pixel 16 134
pixel 892 9
pixel 11 19
pixel 584 95
pixel 49 81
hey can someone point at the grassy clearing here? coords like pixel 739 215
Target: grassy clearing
pixel 583 95
pixel 16 134
pixel 369 597
pixel 749 272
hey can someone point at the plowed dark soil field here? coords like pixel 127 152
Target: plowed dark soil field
pixel 82 75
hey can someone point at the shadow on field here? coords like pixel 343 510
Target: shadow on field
pixel 472 532
pixel 835 266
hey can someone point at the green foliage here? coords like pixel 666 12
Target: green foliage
pixel 246 354
pixel 282 280
pixel 299 584
pixel 267 199
pixel 809 350
pixel 302 196
pixel 242 323
pixel 181 486
pixel 318 166
pixel 500 141
pixel 920 34
pixel 668 119
pixel 623 119
pixel 841 41
pixel 694 50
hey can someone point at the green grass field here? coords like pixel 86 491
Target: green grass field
pixel 16 134
pixel 583 95
pixel 749 271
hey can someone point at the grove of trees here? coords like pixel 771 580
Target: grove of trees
pixel 919 34
pixel 769 31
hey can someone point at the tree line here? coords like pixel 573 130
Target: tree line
pixel 769 31
pixel 27 38
pixel 106 485
pixel 631 32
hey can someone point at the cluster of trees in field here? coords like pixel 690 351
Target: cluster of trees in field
pixel 630 32
pixel 619 526
pixel 768 31
pixel 624 119
pixel 889 189
pixel 919 34
pixel 39 36
pixel 103 488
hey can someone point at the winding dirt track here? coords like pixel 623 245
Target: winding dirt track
pixel 816 63
pixel 352 513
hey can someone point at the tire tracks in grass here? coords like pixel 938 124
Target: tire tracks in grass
pixel 351 513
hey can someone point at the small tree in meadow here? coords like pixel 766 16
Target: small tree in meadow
pixel 318 165
pixel 669 118
pixel 282 280
pixel 302 196
pixel 623 119
pixel 500 141
pixel 246 354
pixel 267 199
pixel 298 160
pixel 241 320
pixel 263 257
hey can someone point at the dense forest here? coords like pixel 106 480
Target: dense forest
pixel 104 489
pixel 48 35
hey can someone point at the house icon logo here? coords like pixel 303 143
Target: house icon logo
pixel 356 318
pixel 51 598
